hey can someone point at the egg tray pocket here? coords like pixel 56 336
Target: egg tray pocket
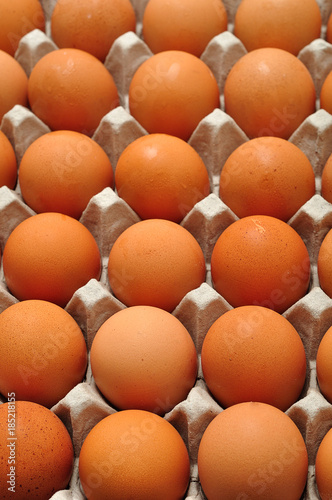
pixel 107 216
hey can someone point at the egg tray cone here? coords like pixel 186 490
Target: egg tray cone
pixel 215 138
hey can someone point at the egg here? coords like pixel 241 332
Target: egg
pixel 252 450
pixel 19 17
pixel 13 84
pixel 91 26
pixel 267 176
pixel 252 353
pixel 61 171
pixel 155 262
pixel 283 24
pixel 324 266
pixel 71 89
pixel 323 467
pixel 161 176
pixel 46 351
pixel 134 454
pixel 260 260
pixel 8 163
pixel 326 180
pixel 329 29
pixel 49 256
pixel 36 451
pixel 325 94
pixel 269 92
pixel 171 92
pixel 323 365
pixel 188 25
pixel 142 357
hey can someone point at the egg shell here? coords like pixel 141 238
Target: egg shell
pixel 36 451
pixel 235 454
pixel 121 457
pixel 107 216
pixel 281 25
pixel 47 351
pixel 182 26
pixel 143 357
pixel 91 28
pixel 239 350
pixel 13 84
pixel 17 20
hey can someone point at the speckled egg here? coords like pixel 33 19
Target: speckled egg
pixel 43 352
pixel 36 451
pixel 252 353
pixel 49 256
pixel 260 260
pixel 134 454
pixel 155 262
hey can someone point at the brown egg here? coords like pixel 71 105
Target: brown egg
pixel 36 451
pixel 171 92
pixel 267 176
pixel 8 163
pixel 49 256
pixel 323 467
pixel 252 353
pixel 326 180
pixel 188 25
pixel 134 454
pixel 329 29
pixel 252 451
pixel 71 89
pixel 43 351
pixel 269 92
pixel 323 365
pixel 19 17
pixel 155 262
pixel 284 24
pixel 61 171
pixel 325 94
pixel 161 176
pixel 91 26
pixel 324 264
pixel 260 260
pixel 143 357
pixel 13 84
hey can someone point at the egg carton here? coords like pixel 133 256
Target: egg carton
pixel 107 216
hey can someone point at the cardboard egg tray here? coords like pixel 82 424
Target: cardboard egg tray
pixel 106 216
